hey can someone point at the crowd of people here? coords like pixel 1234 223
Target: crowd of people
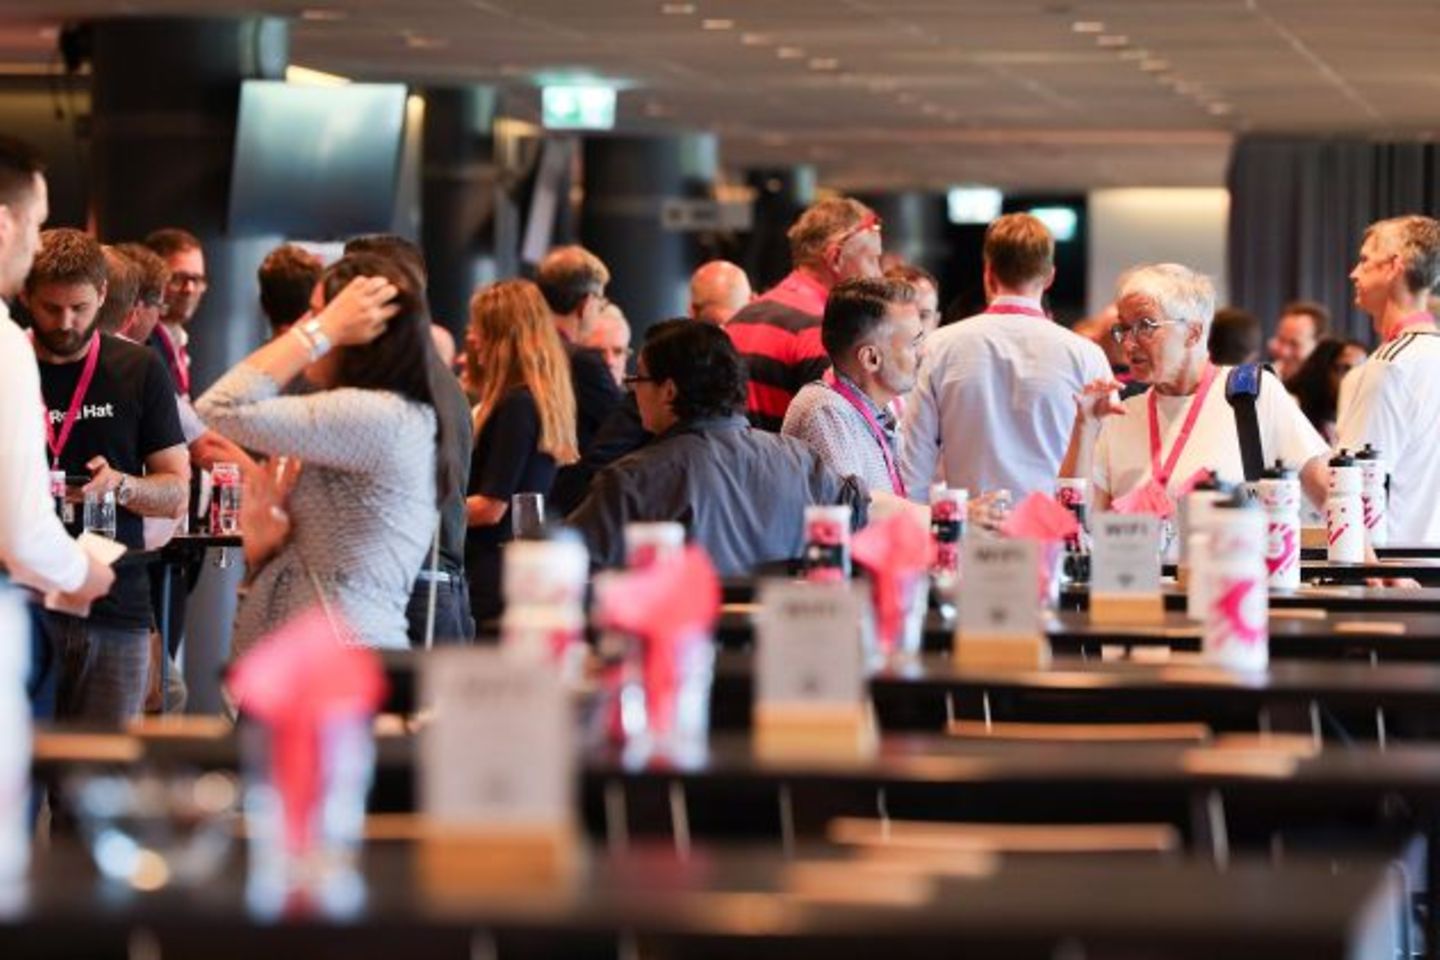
pixel 380 482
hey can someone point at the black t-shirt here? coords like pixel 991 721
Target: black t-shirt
pixel 506 461
pixel 128 413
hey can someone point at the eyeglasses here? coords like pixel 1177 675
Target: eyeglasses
pixel 1143 330
pixel 635 378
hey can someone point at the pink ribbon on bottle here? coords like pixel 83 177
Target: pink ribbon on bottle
pixel 897 552
pixel 666 606
pixel 293 681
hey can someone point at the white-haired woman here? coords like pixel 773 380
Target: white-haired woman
pixel 1183 423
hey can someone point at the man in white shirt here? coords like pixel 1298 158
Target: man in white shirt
pixel 994 401
pixel 34 548
pixel 1391 400
pixel 1183 423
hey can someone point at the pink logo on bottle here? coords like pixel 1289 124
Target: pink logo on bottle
pixel 1336 532
pixel 1283 548
pixel 1231 603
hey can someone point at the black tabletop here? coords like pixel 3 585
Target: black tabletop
pixel 742 902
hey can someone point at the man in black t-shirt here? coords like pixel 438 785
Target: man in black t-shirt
pixel 112 426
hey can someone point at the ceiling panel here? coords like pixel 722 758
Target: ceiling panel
pixel 1022 93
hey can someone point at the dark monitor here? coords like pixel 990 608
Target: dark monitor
pixel 317 161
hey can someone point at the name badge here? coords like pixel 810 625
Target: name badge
pixel 808 638
pixel 499 751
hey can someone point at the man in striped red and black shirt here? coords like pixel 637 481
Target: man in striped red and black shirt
pixel 779 334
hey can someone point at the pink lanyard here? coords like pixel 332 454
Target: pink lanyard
pixel 1162 474
pixel 178 365
pixel 1021 308
pixel 87 374
pixel 1419 318
pixel 878 432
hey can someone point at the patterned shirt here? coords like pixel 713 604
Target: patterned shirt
pixel 362 511
pixel 839 434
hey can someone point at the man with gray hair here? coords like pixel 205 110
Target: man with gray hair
pixel 1182 425
pixel 1391 400
pixel 872 334
pixel 778 335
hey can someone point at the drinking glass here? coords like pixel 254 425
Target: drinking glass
pixel 527 516
pixel 100 513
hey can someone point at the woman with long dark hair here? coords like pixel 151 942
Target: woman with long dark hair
pixel 1316 385
pixel 363 510
pixel 524 422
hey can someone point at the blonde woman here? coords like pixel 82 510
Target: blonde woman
pixel 524 422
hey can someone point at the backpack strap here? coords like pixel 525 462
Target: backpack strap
pixel 1242 390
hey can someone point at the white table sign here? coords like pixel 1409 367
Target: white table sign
pixel 808 638
pixel 499 751
pixel 1125 556
pixel 1000 591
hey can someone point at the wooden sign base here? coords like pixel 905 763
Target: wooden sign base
pixel 459 861
pixel 983 652
pixel 1113 609
pixel 803 731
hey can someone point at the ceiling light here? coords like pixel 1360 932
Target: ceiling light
pixel 1135 53
pixel 1088 26
pixel 824 63
pixel 1154 65
pixel 323 15
pixel 1168 80
pixel 790 53
pixel 717 23
pixel 1112 40
pixel 756 39
pixel 1220 109
pixel 417 41
pixel 677 9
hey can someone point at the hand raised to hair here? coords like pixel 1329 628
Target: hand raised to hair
pixel 358 314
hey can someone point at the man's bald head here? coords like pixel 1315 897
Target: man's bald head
pixel 717 290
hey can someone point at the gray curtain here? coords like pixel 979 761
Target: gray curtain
pixel 1299 207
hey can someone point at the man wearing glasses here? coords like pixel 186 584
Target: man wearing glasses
pixel 992 404
pixel 1390 400
pixel 1183 424
pixel 778 335
pixel 181 252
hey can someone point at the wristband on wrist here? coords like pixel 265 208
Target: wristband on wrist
pixel 314 338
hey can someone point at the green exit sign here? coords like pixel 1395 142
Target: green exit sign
pixel 577 108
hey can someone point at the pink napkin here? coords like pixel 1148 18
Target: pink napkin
pixel 292 681
pixel 1040 517
pixel 1149 497
pixel 665 605
pixel 896 551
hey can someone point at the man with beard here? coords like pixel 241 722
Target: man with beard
pixel 111 425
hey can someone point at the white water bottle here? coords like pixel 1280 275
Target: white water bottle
pixel 1195 515
pixel 1374 495
pixel 1278 491
pixel 15 741
pixel 1232 566
pixel 1344 511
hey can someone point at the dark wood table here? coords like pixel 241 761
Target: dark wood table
pixel 1341 598
pixel 1295 634
pixel 730 903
